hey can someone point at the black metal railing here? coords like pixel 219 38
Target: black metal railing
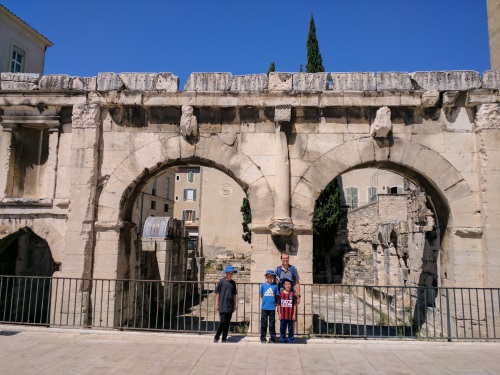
pixel 325 310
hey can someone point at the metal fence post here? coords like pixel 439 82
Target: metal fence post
pixel 448 319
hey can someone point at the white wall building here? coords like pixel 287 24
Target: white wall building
pixel 22 48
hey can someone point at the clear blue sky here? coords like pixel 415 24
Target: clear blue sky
pixel 243 37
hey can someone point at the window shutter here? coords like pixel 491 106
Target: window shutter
pixel 355 197
pixel 400 190
pixel 194 194
pixel 348 196
pixel 185 194
pixel 184 215
pixel 194 216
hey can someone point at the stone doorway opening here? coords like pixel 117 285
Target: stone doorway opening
pixel 390 231
pixel 23 254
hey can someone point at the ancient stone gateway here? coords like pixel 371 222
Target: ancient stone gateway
pixel 76 152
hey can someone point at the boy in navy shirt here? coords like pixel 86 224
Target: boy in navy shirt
pixel 225 302
pixel 287 302
pixel 269 293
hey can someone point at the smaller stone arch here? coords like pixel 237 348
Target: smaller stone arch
pixel 43 229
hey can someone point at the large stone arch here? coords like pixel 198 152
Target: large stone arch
pixel 41 228
pixel 132 174
pixel 136 170
pixel 454 200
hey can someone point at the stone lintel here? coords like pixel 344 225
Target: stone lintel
pixel 282 113
pixel 112 225
pixel 40 202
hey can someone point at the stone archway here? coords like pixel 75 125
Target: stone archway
pixel 133 173
pixel 452 197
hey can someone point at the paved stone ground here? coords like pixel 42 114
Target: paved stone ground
pixel 51 351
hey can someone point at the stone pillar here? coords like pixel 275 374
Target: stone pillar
pixel 52 163
pixel 79 237
pixel 281 223
pixel 488 135
pixel 5 157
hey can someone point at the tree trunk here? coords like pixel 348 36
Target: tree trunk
pixel 328 266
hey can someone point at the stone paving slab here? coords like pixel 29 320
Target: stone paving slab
pixel 51 351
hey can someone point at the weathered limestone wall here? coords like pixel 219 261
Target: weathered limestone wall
pixel 281 137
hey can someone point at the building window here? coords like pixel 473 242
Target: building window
pixel 351 196
pixel 190 175
pixel 189 194
pixel 165 209
pixel 16 64
pixel 394 189
pixel 188 215
pixel 176 198
pixel 153 205
pixel 153 188
pixel 372 193
pixel 167 183
pixel 177 177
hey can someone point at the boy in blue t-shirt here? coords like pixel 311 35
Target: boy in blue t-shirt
pixel 268 292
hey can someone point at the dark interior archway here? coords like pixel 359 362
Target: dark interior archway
pixel 26 267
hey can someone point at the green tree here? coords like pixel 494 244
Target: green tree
pixel 272 68
pixel 247 219
pixel 326 218
pixel 314 60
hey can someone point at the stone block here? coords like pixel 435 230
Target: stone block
pixel 57 82
pixel 282 113
pixel 447 80
pixel 166 82
pixel 410 98
pixel 109 82
pixel 19 81
pixel 458 191
pixel 448 178
pixel 396 81
pixel 435 142
pixel 208 82
pixel 280 82
pixel 481 96
pixel 491 79
pixel 83 84
pixel 331 99
pixel 310 82
pixel 411 153
pixel 258 144
pixel 250 82
pixel 138 81
pixel 358 81
pixel 430 99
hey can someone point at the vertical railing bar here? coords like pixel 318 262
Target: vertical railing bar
pixel 373 311
pixel 485 312
pixel 199 292
pixel 365 334
pixel 334 310
pixel 107 303
pixel 94 288
pixel 184 302
pixel 142 303
pixel 29 300
pixel 122 297
pixel 448 312
pixel 1 293
pixel 418 311
pixel 101 307
pixel 136 288
pixel 17 298
pixel 163 313
pixel 455 311
pixel 349 307
pixel 50 294
pixel 342 308
pixel 388 313
pixel 470 312
pixel 74 302
pixel 82 288
pixel 356 296
pixel 426 288
pixel 69 301
pixel 493 313
pixel 36 299
pixel 478 313
pixel 463 311
pixel 63 288
pixel 171 286
pixel 178 305
pixel 11 298
pixel 129 299
pixel 150 302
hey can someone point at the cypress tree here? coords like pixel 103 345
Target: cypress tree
pixel 272 68
pixel 314 60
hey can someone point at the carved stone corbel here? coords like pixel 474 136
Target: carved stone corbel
pixel 189 125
